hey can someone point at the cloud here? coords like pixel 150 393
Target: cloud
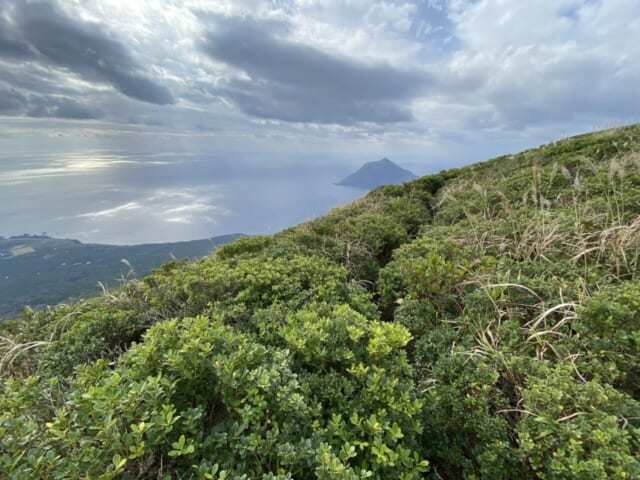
pixel 11 44
pixel 61 107
pixel 11 101
pixel 41 31
pixel 293 82
pixel 14 103
pixel 337 77
pixel 552 62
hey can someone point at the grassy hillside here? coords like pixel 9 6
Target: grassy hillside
pixel 479 323
pixel 39 270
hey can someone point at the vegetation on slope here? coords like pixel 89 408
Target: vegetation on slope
pixel 36 271
pixel 479 323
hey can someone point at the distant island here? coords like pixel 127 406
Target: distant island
pixel 38 270
pixel 375 174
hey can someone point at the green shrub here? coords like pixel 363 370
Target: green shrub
pixel 357 370
pixel 462 403
pixel 237 287
pixel 609 324
pixel 100 332
pixel 195 390
pixel 575 429
pixel 425 269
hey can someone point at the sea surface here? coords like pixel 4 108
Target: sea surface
pixel 120 197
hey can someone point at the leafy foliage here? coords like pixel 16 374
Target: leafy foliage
pixel 479 323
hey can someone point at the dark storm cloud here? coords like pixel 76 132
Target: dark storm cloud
pixel 13 103
pixel 298 83
pixel 42 32
pixel 37 78
pixel 11 45
pixel 62 107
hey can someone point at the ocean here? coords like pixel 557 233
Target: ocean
pixel 116 197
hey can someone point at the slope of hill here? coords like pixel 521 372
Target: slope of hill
pixel 479 323
pixel 39 270
pixel 375 174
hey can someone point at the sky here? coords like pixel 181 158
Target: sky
pixel 427 81
pixel 106 105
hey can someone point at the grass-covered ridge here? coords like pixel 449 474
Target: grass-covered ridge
pixel 479 323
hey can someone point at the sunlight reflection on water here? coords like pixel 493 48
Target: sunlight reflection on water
pixel 115 198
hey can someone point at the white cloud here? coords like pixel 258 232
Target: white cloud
pixel 552 61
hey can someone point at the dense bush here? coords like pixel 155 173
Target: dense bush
pixel 482 323
pixel 426 269
pixel 610 327
pixel 577 429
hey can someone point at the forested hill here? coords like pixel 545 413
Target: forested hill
pixel 482 323
pixel 37 270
